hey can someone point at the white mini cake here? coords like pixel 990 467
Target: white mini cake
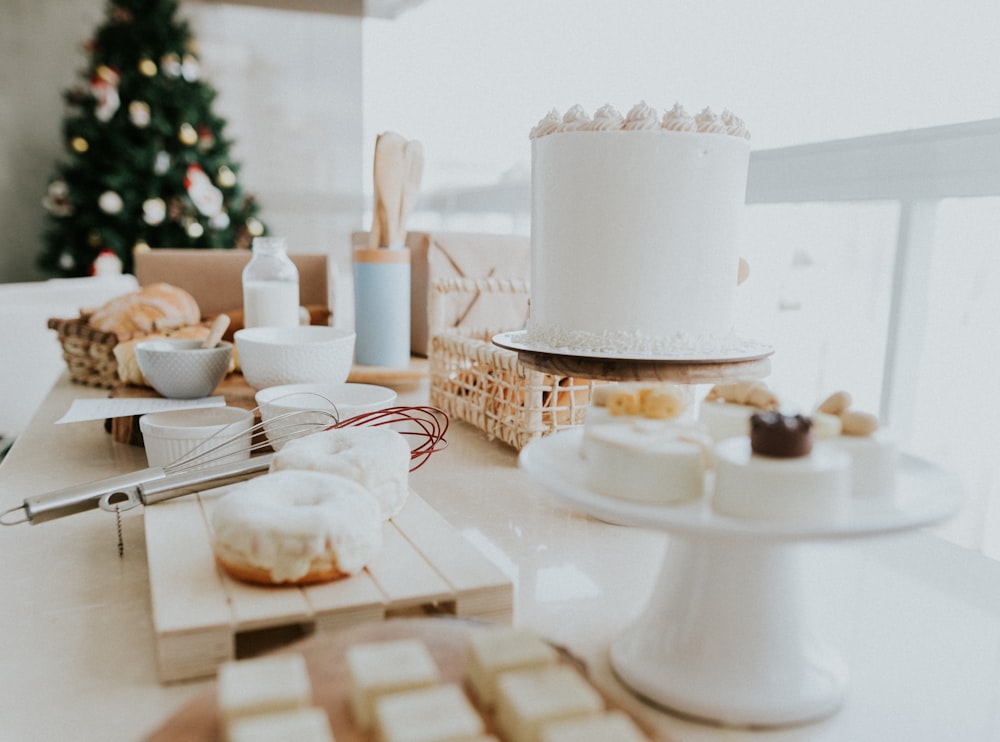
pixel 490 652
pixel 871 448
pixel 635 449
pixel 610 726
pixel 647 461
pixel 528 699
pixel 263 685
pixel 727 408
pixel 873 463
pixel 439 713
pixel 377 458
pixel 377 668
pixel 777 475
pixel 301 725
pixel 641 207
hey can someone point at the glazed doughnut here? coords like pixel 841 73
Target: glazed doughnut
pixel 295 527
pixel 377 458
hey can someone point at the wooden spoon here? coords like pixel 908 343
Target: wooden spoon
pixel 219 326
pixel 389 176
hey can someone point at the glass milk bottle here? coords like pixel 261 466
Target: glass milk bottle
pixel 270 286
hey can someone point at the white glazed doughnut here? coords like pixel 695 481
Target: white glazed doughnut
pixel 377 458
pixel 296 527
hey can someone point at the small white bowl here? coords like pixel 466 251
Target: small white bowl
pixel 178 434
pixel 182 369
pixel 289 409
pixel 306 354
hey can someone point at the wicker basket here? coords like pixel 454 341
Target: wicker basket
pixel 89 353
pixel 474 380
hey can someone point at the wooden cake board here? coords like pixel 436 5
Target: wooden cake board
pixel 612 369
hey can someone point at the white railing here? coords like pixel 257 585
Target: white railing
pixel 917 169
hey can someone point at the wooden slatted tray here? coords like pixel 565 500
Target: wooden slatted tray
pixel 202 617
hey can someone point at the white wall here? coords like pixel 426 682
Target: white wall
pixel 290 87
pixel 40 53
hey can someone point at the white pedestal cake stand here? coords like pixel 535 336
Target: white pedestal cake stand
pixel 726 636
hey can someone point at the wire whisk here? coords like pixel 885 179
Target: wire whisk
pixel 225 459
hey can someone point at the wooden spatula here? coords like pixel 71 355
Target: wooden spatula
pixel 388 179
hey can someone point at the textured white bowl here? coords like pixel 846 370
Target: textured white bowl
pixel 182 369
pixel 270 356
pixel 291 409
pixel 172 435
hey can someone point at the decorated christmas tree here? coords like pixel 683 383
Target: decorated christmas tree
pixel 148 162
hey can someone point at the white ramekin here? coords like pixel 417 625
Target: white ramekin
pixel 176 435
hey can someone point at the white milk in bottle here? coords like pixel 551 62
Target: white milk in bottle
pixel 270 286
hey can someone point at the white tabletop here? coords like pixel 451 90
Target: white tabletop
pixel 917 618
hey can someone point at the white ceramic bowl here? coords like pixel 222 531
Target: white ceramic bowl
pixel 291 409
pixel 174 434
pixel 182 369
pixel 306 354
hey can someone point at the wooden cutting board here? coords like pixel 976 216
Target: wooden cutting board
pixel 445 638
pixel 202 617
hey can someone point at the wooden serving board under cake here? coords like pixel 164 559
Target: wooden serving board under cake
pixel 202 617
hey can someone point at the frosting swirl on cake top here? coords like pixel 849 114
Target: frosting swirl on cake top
pixel 641 117
pixel 677 119
pixel 607 118
pixel 735 125
pixel 575 119
pixel 548 125
pixel 710 123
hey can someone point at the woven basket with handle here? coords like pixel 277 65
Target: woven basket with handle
pixel 89 353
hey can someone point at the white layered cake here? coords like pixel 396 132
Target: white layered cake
pixel 634 231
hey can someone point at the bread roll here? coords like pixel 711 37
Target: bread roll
pixel 156 307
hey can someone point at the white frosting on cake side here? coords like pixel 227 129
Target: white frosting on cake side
pixel 873 463
pixel 808 490
pixel 726 419
pixel 651 461
pixel 634 234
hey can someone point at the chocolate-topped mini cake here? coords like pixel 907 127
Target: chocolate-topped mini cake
pixel 780 436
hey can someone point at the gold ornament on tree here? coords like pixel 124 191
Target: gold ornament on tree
pixel 188 135
pixel 226 177
pixel 139 114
